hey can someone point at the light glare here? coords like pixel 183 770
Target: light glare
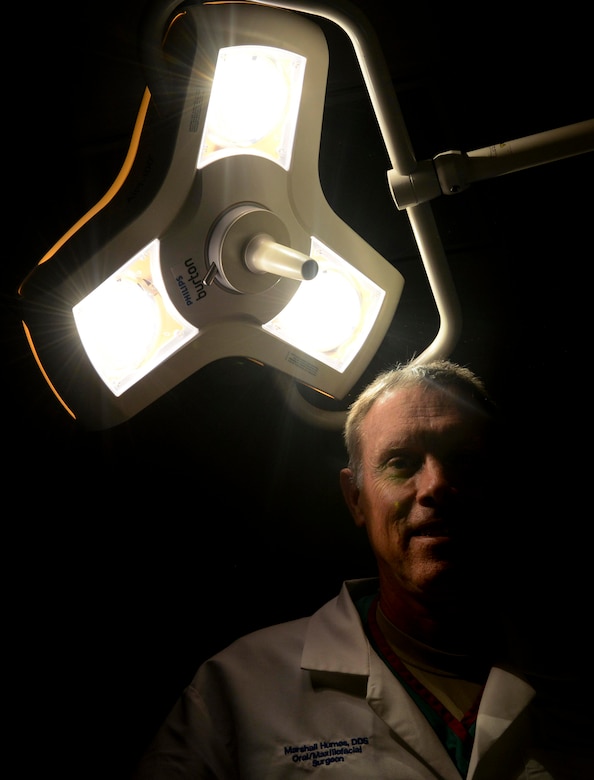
pixel 127 325
pixel 330 316
pixel 254 104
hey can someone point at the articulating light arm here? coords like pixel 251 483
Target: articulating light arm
pixel 396 139
pixel 414 183
pixel 452 172
pixel 395 135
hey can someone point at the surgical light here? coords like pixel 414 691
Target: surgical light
pixel 217 240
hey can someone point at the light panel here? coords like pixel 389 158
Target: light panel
pixel 254 104
pixel 331 316
pixel 128 324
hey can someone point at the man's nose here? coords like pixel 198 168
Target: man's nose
pixel 434 483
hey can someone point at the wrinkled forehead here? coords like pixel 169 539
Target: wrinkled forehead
pixel 427 406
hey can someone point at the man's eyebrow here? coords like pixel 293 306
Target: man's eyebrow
pixel 389 450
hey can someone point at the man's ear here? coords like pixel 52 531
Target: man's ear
pixel 352 494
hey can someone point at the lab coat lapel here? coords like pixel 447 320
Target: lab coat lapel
pixel 333 645
pixel 335 640
pixel 394 706
pixel 504 698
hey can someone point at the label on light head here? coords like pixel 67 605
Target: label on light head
pixel 189 282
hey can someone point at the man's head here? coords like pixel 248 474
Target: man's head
pixel 444 374
pixel 420 443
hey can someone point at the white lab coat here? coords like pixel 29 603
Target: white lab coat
pixel 311 698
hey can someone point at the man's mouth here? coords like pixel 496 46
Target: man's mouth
pixel 435 530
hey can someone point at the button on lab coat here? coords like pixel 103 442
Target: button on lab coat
pixel 311 698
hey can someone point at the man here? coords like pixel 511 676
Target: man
pixel 399 677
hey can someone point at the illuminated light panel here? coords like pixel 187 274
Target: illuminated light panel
pixel 254 104
pixel 128 325
pixel 330 316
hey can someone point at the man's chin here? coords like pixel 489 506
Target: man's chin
pixel 443 579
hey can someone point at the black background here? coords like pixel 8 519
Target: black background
pixel 134 553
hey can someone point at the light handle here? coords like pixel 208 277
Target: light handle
pixel 264 255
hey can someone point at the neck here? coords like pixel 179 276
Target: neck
pixel 451 626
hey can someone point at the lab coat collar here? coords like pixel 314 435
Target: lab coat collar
pixel 505 697
pixel 335 644
pixel 388 699
pixel 334 626
pixel 336 650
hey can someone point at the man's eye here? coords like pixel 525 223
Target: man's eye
pixel 403 465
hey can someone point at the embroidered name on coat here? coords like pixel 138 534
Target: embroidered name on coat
pixel 326 751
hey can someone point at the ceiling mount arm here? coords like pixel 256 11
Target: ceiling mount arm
pixel 440 280
pixel 516 155
pixel 452 172
pixel 384 100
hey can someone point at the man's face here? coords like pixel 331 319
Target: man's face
pixel 421 497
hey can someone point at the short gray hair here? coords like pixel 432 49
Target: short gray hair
pixel 443 374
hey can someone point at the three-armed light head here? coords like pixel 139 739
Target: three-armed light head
pixel 216 239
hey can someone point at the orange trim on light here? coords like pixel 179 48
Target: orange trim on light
pixel 111 192
pixel 45 376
